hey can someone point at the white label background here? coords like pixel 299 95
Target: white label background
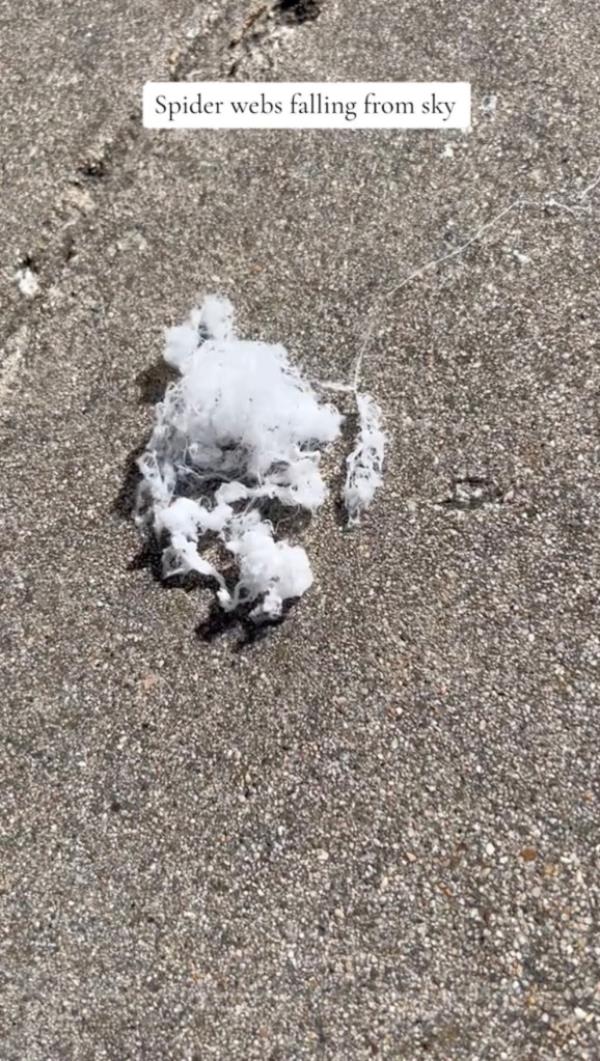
pixel 319 98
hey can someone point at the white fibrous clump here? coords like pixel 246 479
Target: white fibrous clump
pixel 237 432
pixel 240 427
pixel 365 464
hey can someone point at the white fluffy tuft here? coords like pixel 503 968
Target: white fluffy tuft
pixel 364 465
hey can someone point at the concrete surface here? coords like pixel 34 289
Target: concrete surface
pixel 70 104
pixel 373 833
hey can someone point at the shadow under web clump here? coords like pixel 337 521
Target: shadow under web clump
pixel 238 624
pixel 124 503
pixel 152 382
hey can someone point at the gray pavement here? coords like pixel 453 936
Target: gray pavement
pixel 373 833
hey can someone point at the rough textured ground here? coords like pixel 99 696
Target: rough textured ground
pixel 373 833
